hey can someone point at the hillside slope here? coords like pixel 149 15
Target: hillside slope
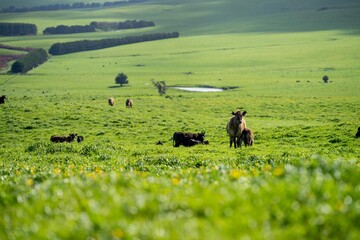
pixel 234 16
pixel 227 16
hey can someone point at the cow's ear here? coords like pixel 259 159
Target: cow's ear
pixel 233 113
pixel 244 113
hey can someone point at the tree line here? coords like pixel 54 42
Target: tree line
pixel 17 29
pixel 86 45
pixel 128 24
pixel 62 29
pixel 29 61
pixel 77 5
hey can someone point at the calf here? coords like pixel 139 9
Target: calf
pixel 129 103
pixel 247 136
pixel 58 139
pixel 187 139
pixel 111 101
pixel 2 99
pixel 357 135
pixel 235 126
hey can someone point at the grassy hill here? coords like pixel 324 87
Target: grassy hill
pixel 299 180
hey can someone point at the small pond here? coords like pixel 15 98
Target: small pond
pixel 199 89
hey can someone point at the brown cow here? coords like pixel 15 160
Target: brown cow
pixel 247 136
pixel 129 103
pixel 111 101
pixel 2 99
pixel 58 139
pixel 357 135
pixel 235 126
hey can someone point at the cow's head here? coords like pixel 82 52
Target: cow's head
pixel 201 136
pixel 239 115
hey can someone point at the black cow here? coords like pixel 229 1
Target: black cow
pixel 357 135
pixel 58 139
pixel 187 139
pixel 193 142
pixel 80 139
pixel 2 99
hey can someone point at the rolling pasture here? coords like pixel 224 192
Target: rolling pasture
pixel 300 179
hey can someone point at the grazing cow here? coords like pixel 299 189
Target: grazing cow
pixel 247 136
pixel 357 135
pixel 111 101
pixel 129 103
pixel 187 139
pixel 2 99
pixel 80 139
pixel 235 126
pixel 58 139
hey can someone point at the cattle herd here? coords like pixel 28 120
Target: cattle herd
pixel 236 129
pixel 128 103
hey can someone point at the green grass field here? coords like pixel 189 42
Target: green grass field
pixel 300 179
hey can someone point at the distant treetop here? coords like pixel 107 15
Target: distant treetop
pixel 63 6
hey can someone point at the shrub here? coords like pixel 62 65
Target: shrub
pixel 29 61
pixel 121 79
pixel 325 79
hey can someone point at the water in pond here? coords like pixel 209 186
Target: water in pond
pixel 199 89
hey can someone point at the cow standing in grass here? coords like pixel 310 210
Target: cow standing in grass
pixel 129 103
pixel 235 126
pixel 2 99
pixel 247 136
pixel 111 101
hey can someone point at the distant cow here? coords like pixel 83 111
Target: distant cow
pixel 58 139
pixel 247 136
pixel 129 103
pixel 79 139
pixel 235 126
pixel 2 99
pixel 111 101
pixel 357 135
pixel 187 139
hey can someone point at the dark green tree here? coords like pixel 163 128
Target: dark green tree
pixel 325 79
pixel 121 79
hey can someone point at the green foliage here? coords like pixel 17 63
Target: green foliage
pixel 17 29
pixel 87 45
pixel 31 60
pixel 121 79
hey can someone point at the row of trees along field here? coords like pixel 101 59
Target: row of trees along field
pixel 86 45
pixel 122 25
pixel 62 29
pixel 77 5
pixel 29 61
pixel 17 29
